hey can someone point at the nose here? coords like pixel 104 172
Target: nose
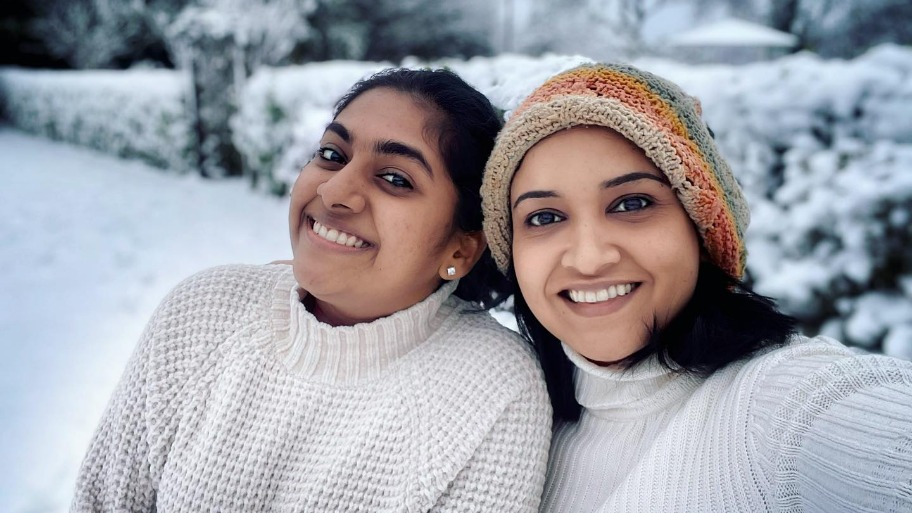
pixel 343 190
pixel 591 250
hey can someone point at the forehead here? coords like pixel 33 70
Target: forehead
pixel 581 154
pixel 392 113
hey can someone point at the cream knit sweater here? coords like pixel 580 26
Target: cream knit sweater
pixel 238 399
pixel 810 427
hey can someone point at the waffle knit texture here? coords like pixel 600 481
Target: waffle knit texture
pixel 810 427
pixel 238 399
pixel 651 112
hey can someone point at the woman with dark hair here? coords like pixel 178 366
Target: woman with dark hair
pixel 674 386
pixel 366 375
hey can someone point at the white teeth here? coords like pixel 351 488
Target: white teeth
pixel 598 296
pixel 340 238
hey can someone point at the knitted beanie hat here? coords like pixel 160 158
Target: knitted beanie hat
pixel 651 112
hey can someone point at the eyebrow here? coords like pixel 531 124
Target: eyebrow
pixel 607 184
pixel 387 147
pixel 403 150
pixel 339 130
pixel 534 195
pixel 632 177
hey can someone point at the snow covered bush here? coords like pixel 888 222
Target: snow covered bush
pixel 137 113
pixel 833 242
pixel 823 149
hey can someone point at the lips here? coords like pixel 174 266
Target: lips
pixel 337 236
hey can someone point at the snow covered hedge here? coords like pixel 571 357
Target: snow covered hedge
pixel 137 113
pixel 824 150
pixel 822 147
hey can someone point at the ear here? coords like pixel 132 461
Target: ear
pixel 463 253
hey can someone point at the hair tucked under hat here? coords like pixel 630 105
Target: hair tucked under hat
pixel 653 113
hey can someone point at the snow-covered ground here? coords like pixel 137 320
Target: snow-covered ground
pixel 89 245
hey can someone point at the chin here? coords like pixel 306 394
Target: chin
pixel 600 350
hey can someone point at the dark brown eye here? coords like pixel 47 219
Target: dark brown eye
pixel 330 155
pixel 396 180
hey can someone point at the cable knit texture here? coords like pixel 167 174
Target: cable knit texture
pixel 811 427
pixel 238 399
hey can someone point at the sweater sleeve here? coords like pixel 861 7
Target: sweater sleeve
pixel 116 470
pixel 841 440
pixel 507 471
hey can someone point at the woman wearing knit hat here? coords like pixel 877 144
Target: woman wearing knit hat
pixel 674 386
pixel 365 376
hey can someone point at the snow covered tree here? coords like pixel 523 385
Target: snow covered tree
pixel 220 42
pixel 597 28
pixel 91 33
pixel 378 30
pixel 104 33
pixel 866 24
pixel 266 32
pixel 832 28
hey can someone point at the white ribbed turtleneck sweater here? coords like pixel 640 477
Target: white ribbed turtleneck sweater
pixel 811 427
pixel 238 399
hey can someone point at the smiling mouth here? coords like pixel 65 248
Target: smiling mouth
pixel 600 295
pixel 339 237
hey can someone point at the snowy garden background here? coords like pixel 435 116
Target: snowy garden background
pixel 121 177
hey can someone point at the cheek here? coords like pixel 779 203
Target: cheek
pixel 306 183
pixel 301 190
pixel 530 271
pixel 412 236
pixel 681 268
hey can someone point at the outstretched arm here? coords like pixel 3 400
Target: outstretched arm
pixel 844 437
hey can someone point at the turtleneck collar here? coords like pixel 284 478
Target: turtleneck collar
pixel 628 393
pixel 317 351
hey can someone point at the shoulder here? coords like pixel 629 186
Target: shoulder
pixel 224 293
pixel 476 366
pixel 236 281
pixel 811 363
pixel 790 388
pixel 478 348
pixel 786 387
pixel 202 311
